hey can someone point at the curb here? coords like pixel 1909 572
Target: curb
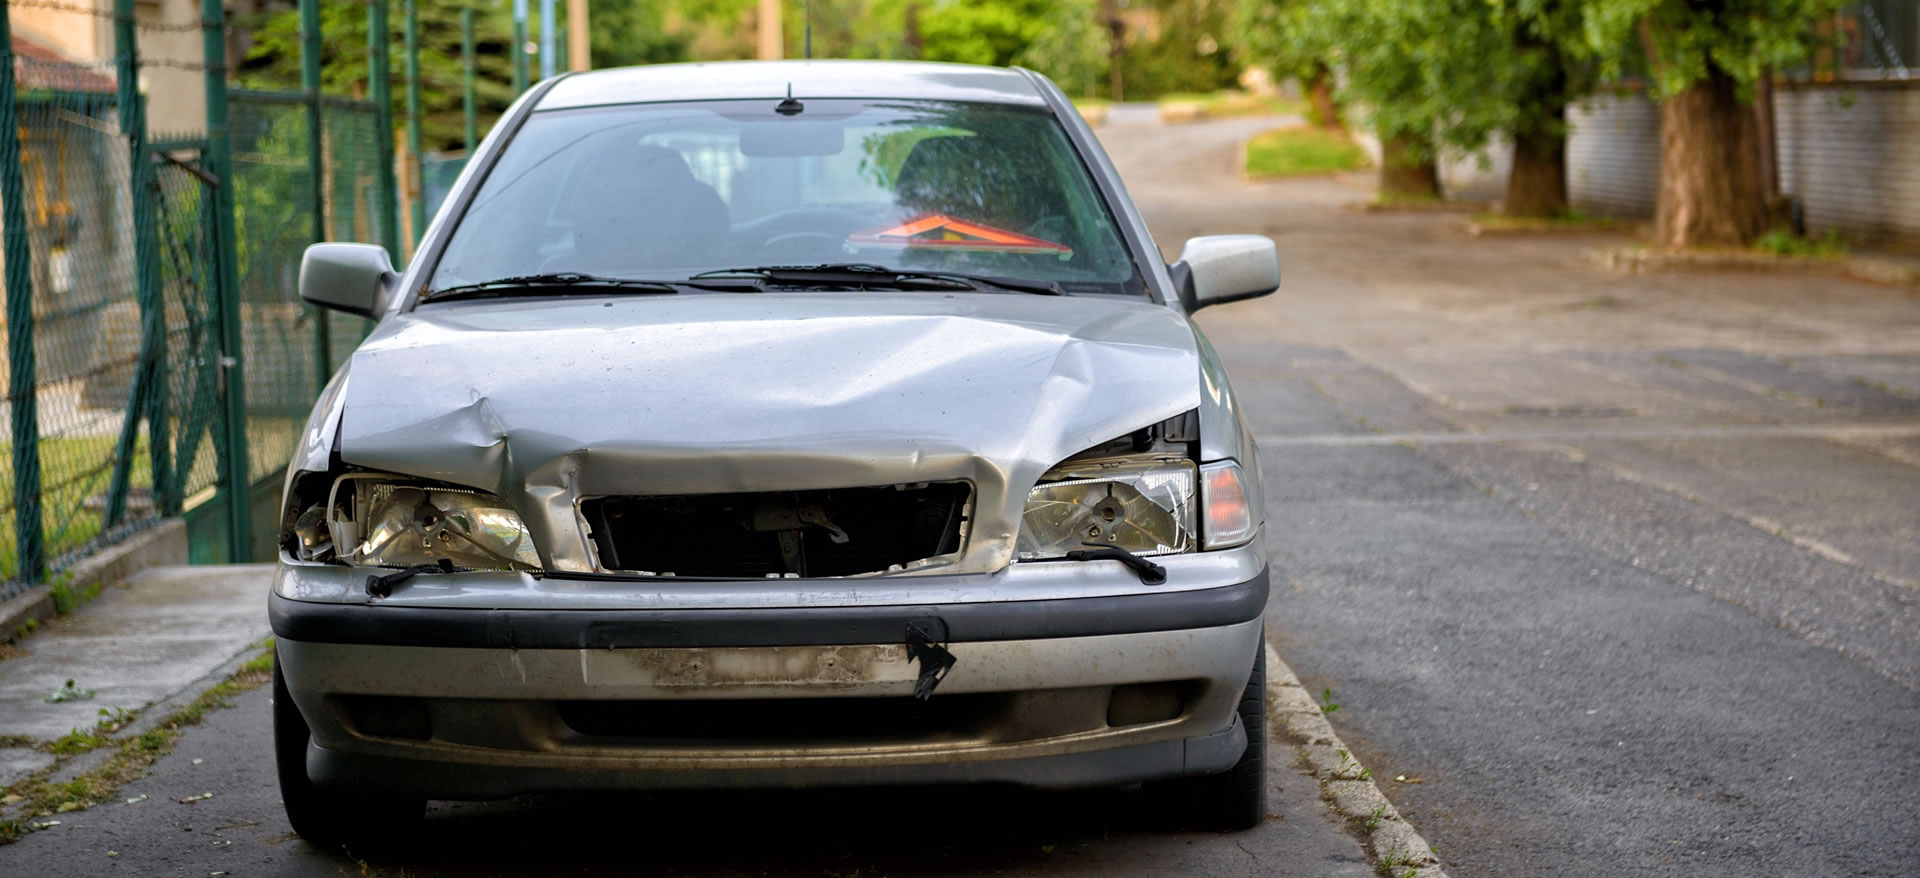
pixel 1441 206
pixel 162 543
pixel 1348 787
pixel 1637 260
pixel 1478 229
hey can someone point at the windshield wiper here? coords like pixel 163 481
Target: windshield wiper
pixel 567 281
pixel 867 274
pixel 1149 572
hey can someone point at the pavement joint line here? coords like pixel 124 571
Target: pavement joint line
pixel 1345 784
pixel 1731 431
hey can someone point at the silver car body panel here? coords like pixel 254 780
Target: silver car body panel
pixel 546 402
pixel 495 709
pixel 770 80
pixel 1026 581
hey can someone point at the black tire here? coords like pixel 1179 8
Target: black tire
pixel 1234 799
pixel 327 817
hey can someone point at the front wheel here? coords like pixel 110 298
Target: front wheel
pixel 1234 799
pixel 329 817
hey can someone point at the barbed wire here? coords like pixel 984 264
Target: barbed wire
pixel 96 12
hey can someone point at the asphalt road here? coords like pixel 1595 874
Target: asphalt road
pixel 1618 569
pixel 1621 568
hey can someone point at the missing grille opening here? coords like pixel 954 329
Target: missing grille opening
pixel 835 532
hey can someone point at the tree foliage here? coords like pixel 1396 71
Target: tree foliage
pixel 622 33
pixel 1689 41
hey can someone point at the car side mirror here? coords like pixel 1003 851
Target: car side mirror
pixel 354 278
pixel 1216 269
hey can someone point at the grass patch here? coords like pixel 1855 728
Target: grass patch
pixel 101 734
pixel 1783 242
pixel 75 471
pixel 1230 104
pixel 1413 202
pixel 1290 152
pixel 1571 221
pixel 133 756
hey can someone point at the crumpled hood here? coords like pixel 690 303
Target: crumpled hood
pixel 547 402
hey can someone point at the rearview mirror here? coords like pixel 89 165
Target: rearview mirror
pixel 1216 269
pixel 793 138
pixel 354 278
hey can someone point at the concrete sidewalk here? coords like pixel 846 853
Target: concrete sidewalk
pixel 133 645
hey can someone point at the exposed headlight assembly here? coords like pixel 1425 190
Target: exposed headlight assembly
pixel 1144 504
pixel 383 521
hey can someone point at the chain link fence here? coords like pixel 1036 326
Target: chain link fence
pixel 75 343
pixel 120 327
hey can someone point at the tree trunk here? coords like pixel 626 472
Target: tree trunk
pixel 1710 190
pixel 1537 184
pixel 1321 108
pixel 1404 175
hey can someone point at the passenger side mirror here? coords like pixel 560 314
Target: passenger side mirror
pixel 1216 269
pixel 354 278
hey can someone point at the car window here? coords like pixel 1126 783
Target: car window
pixel 667 191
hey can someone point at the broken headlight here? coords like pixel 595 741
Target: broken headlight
pixel 1144 504
pixel 380 522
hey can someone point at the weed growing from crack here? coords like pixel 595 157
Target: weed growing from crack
pixel 1395 858
pixel 1373 819
pixel 1326 700
pixel 1351 769
pixel 101 734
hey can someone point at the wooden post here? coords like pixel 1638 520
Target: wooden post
pixel 772 38
pixel 579 46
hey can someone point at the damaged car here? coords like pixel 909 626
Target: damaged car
pixel 775 424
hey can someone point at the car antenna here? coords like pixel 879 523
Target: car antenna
pixel 808 15
pixel 789 107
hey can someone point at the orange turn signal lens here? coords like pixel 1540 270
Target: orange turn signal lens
pixel 1223 493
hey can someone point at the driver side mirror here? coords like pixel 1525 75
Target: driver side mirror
pixel 354 278
pixel 1216 269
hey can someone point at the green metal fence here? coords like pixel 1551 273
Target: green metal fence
pixel 74 342
pixel 154 333
pixel 158 361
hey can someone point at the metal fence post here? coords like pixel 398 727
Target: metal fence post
pixel 417 164
pixel 380 76
pixel 29 550
pixel 467 98
pixel 148 395
pixel 546 39
pixel 316 168
pixel 235 477
pixel 519 47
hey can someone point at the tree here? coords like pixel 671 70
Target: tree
pixel 623 33
pixel 1270 34
pixel 1417 71
pixel 1706 57
pixel 273 61
pixel 1072 48
pixel 1548 64
pixel 980 31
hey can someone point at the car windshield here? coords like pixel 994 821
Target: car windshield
pixel 673 191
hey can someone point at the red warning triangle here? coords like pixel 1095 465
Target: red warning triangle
pixel 939 231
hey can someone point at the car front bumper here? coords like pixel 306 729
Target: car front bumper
pixel 472 703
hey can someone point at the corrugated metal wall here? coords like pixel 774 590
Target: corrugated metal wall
pixel 1613 155
pixel 1851 154
pixel 1849 151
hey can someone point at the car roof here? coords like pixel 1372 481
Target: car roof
pixel 746 80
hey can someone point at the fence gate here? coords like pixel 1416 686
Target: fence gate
pixel 189 459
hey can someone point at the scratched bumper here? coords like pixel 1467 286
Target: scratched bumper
pixel 493 722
